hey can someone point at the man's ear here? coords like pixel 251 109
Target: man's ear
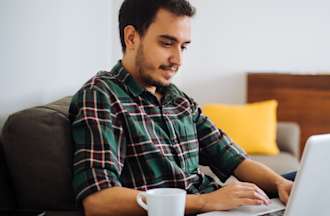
pixel 131 37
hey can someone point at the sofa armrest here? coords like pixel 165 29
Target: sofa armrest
pixel 7 197
pixel 288 137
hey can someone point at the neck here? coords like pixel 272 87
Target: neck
pixel 130 67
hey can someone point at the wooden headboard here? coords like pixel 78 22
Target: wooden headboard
pixel 303 98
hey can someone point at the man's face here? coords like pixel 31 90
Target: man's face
pixel 159 55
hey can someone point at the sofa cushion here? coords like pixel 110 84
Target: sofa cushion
pixel 38 147
pixel 252 126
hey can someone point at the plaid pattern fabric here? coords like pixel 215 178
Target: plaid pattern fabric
pixel 124 137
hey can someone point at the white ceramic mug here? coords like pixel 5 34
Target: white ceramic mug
pixel 163 201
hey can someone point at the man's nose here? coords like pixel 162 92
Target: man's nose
pixel 176 57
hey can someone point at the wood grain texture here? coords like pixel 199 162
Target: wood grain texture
pixel 303 98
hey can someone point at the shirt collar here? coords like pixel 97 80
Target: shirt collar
pixel 122 75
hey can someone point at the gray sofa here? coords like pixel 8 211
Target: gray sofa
pixel 36 158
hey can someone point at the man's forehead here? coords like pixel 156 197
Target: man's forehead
pixel 170 25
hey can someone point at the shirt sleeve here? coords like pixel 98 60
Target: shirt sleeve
pixel 98 158
pixel 216 149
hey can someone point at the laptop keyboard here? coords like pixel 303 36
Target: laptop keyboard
pixel 276 213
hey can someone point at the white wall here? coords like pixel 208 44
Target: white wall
pixel 116 52
pixel 49 48
pixel 231 38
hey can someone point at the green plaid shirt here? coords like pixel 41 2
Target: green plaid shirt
pixel 124 137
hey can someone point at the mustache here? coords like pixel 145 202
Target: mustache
pixel 173 67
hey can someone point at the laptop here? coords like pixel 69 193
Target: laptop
pixel 310 194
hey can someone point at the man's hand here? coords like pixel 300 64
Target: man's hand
pixel 232 196
pixel 264 177
pixel 284 188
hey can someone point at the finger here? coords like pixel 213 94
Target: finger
pixel 251 191
pixel 254 187
pixel 284 197
pixel 248 201
pixel 251 194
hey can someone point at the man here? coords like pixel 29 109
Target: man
pixel 134 130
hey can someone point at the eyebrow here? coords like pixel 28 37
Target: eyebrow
pixel 174 39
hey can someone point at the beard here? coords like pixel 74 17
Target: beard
pixel 145 70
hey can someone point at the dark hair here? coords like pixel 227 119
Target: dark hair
pixel 141 13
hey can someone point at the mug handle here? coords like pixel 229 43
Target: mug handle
pixel 139 200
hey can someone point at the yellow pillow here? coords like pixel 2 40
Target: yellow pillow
pixel 252 126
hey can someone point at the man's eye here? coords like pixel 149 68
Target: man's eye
pixel 166 44
pixel 183 48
